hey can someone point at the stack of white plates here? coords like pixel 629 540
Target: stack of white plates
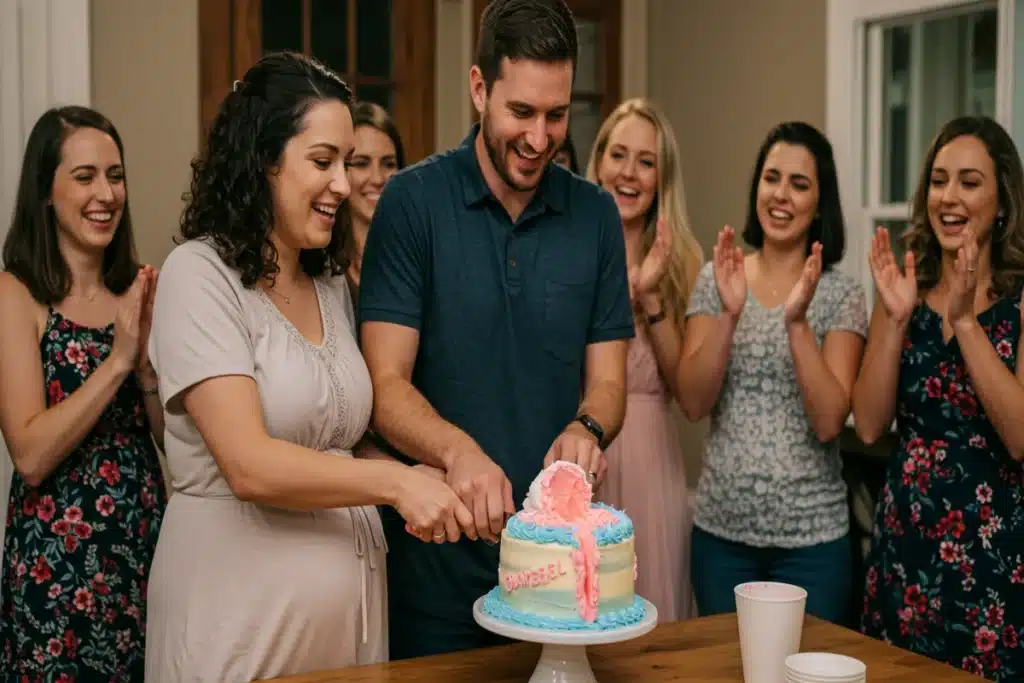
pixel 824 667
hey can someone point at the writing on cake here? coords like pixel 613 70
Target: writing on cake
pixel 531 578
pixel 566 562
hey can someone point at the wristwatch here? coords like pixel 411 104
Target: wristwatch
pixel 656 318
pixel 592 426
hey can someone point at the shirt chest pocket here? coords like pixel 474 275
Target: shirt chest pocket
pixel 567 308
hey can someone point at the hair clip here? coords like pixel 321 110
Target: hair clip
pixel 237 86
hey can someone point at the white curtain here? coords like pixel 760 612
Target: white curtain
pixel 44 62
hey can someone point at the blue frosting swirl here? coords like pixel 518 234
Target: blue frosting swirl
pixel 607 534
pixel 499 609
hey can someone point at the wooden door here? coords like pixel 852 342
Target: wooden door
pixel 383 49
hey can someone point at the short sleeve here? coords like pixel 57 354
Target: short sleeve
pixel 849 310
pixel 612 315
pixel 395 259
pixel 199 329
pixel 705 299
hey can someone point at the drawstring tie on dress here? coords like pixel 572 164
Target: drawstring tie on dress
pixel 369 535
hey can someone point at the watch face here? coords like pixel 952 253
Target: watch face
pixel 592 425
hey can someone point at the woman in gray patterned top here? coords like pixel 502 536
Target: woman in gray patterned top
pixel 772 347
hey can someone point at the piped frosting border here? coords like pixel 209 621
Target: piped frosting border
pixel 494 606
pixel 607 534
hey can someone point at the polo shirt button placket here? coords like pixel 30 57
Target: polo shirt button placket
pixel 513 276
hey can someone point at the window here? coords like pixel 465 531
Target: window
pixel 383 49
pixel 897 71
pixel 598 70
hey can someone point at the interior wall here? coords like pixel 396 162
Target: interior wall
pixel 145 66
pixel 725 72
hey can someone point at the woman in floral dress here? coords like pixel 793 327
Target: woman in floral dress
pixel 78 409
pixel 946 567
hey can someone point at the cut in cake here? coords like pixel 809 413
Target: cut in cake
pixel 566 563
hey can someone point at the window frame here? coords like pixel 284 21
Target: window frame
pixel 230 42
pixel 852 108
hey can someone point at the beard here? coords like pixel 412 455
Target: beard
pixel 498 152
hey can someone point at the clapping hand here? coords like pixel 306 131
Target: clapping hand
pixel 730 275
pixel 645 279
pixel 800 296
pixel 143 367
pixel 897 290
pixel 964 281
pixel 127 325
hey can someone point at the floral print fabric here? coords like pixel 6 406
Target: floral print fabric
pixel 78 548
pixel 946 566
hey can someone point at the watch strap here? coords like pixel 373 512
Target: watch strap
pixel 656 318
pixel 592 426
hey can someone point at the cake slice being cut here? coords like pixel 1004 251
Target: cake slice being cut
pixel 566 562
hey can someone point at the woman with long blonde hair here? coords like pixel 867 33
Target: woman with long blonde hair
pixel 636 159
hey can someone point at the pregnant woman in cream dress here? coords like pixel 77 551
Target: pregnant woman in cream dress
pixel 271 558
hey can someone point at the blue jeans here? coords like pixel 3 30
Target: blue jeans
pixel 718 566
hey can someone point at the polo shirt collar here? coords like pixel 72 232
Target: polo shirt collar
pixel 552 191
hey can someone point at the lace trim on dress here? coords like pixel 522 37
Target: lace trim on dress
pixel 327 352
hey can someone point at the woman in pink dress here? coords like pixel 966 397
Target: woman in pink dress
pixel 636 159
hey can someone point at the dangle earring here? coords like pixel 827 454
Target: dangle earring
pixel 999 226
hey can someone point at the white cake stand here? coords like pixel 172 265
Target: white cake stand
pixel 564 657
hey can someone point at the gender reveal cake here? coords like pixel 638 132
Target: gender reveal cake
pixel 567 563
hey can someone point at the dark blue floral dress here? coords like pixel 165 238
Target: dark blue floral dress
pixel 78 548
pixel 946 567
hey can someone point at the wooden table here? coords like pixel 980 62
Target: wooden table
pixel 705 650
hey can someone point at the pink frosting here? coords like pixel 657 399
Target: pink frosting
pixel 587 603
pixel 561 496
pixel 561 489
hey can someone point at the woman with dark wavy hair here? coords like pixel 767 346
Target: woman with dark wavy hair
pixel 946 566
pixel 271 559
pixel 78 410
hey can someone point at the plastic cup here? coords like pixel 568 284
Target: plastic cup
pixel 771 620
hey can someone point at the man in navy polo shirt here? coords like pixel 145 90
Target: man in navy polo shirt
pixel 495 320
